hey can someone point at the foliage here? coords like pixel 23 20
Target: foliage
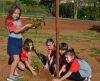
pixel 85 13
pixel 88 13
pixel 66 10
pixel 50 4
pixel 23 80
pixel 37 22
pixel 29 2
pixel 37 63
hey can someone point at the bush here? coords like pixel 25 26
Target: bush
pixel 66 10
pixel 88 13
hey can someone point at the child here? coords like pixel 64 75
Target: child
pixel 63 47
pixel 51 56
pixel 26 55
pixel 75 68
pixel 14 47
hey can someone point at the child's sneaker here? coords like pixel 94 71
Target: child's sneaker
pixel 19 76
pixel 88 78
pixel 11 78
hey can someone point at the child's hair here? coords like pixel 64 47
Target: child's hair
pixel 72 53
pixel 63 46
pixel 12 10
pixel 49 40
pixel 26 44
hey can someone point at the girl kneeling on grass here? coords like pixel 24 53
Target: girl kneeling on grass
pixel 25 57
pixel 75 68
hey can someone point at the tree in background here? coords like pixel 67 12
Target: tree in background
pixel 66 10
pixel 96 8
pixel 50 4
pixel 29 2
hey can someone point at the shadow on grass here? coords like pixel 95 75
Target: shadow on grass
pixel 41 56
pixel 95 28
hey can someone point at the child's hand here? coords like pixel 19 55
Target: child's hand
pixel 46 66
pixel 56 79
pixel 64 70
pixel 28 25
pixel 34 73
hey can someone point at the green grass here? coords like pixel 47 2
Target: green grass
pixel 39 32
pixel 96 52
pixel 80 37
pixel 82 49
pixel 41 36
pixel 37 62
pixel 23 80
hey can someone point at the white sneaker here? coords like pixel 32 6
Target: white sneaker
pixel 11 79
pixel 88 78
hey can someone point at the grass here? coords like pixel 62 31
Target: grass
pixel 35 10
pixel 23 80
pixel 37 63
pixel 96 52
pixel 82 49
pixel 41 36
pixel 80 37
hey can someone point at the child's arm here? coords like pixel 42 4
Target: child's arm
pixel 23 28
pixel 51 60
pixel 12 27
pixel 47 65
pixel 29 55
pixel 63 67
pixel 64 77
pixel 30 68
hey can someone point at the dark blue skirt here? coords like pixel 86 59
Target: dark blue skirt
pixel 14 46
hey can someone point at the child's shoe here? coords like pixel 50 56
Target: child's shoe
pixel 88 78
pixel 11 78
pixel 19 76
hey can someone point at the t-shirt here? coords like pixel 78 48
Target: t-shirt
pixel 62 59
pixel 12 26
pixel 85 69
pixel 75 66
pixel 52 52
pixel 23 56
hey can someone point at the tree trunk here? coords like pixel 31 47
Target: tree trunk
pixel 75 8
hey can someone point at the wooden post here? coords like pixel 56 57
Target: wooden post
pixel 57 37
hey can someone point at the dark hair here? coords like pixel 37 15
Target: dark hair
pixel 49 40
pixel 63 46
pixel 26 44
pixel 72 53
pixel 12 10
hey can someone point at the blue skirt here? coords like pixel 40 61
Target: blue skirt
pixel 14 46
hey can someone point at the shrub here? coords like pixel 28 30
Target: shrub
pixel 66 10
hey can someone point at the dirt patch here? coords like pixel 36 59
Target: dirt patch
pixel 98 59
